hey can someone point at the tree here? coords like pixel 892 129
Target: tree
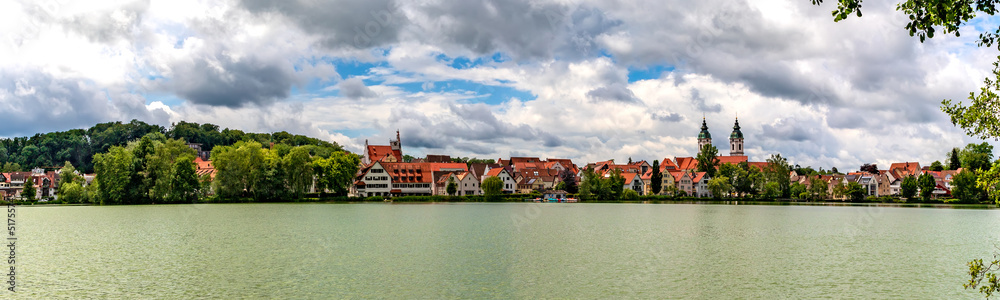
pixel 927 185
pixel 976 157
pixel 834 170
pixel 568 180
pixel 855 191
pixel 452 186
pixel 708 160
pixel 744 178
pixel 630 195
pixel 797 189
pixel 238 169
pixel 953 160
pixel 656 179
pixel 492 187
pixel 817 188
pixel 336 173
pixel 964 187
pixel 979 272
pixel 908 188
pixel 989 181
pixel 184 185
pixel 870 168
pixel 615 185
pixel 777 171
pixel 408 158
pixel 72 192
pixel 720 186
pixel 10 167
pixel 114 171
pixel 160 167
pixel 937 166
pixel 299 168
pixel 67 174
pixel 28 193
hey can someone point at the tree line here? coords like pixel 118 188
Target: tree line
pixel 78 146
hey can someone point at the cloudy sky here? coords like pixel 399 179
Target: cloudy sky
pixel 588 80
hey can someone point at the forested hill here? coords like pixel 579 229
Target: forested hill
pixel 78 146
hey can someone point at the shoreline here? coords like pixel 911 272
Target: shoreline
pixel 705 202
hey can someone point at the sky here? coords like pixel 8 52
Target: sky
pixel 580 79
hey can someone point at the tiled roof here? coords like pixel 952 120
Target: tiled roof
pixel 906 168
pixel 379 152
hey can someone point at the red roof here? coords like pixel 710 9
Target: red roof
pixel 905 169
pixel 687 163
pixel 377 153
pixel 732 159
pixel 698 176
pixel 629 177
pixel 494 172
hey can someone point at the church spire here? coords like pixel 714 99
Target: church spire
pixel 736 139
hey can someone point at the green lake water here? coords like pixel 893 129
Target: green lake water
pixel 504 250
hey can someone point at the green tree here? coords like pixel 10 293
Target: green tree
pixel 630 195
pixel 72 192
pixel 777 171
pixel 937 166
pixel 492 187
pixel 708 160
pixel 976 157
pixel 336 173
pixel 978 272
pixel 452 186
pixel 855 191
pixel 299 167
pixel 67 174
pixel 160 166
pixel 744 178
pixel 656 179
pixel 29 191
pixel 615 184
pixel 964 187
pixel 10 167
pixel 927 184
pixel 908 188
pixel 771 190
pixel 114 171
pixel 989 181
pixel 817 188
pixel 953 160
pixel 238 169
pixel 184 183
pixel 720 186
pixel 797 189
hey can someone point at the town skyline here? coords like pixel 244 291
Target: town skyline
pixel 587 80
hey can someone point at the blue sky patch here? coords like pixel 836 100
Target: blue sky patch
pixel 651 72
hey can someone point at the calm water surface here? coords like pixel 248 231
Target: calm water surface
pixel 508 250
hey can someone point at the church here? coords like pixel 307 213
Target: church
pixel 735 141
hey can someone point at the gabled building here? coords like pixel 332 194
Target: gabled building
pixel 509 185
pixel 391 153
pixel 384 178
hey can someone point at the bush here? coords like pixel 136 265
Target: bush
pixel 630 195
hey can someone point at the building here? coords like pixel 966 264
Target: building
pixel 391 153
pixel 388 179
pixel 466 184
pixel 736 140
pixel 509 184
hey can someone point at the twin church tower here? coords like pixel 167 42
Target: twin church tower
pixel 735 139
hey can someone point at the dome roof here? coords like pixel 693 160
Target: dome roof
pixel 704 134
pixel 737 134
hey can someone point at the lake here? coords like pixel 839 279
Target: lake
pixel 501 250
